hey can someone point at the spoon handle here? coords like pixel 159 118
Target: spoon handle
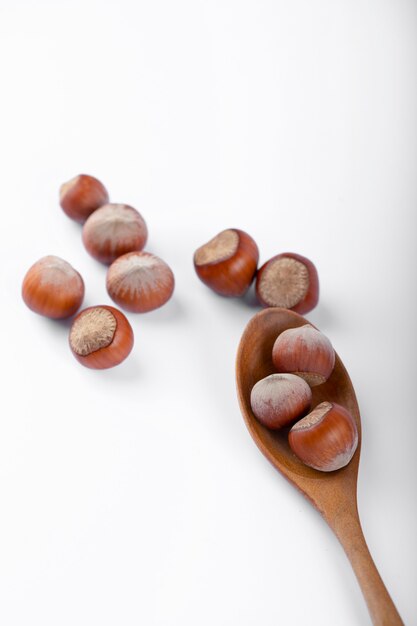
pixel 347 527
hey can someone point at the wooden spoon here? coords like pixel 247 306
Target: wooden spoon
pixel 332 493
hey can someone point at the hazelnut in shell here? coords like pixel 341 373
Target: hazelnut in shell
pixel 140 282
pixel 53 288
pixel 304 351
pixel 326 438
pixel 100 337
pixel 227 263
pixel 289 281
pixel 280 399
pixel 82 195
pixel 113 230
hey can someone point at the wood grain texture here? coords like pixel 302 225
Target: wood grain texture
pixel 333 494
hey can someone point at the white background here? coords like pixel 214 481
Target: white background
pixel 135 495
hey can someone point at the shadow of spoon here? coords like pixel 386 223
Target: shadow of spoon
pixel 333 494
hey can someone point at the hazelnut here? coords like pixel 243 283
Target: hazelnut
pixel 100 337
pixel 113 230
pixel 82 195
pixel 289 281
pixel 139 282
pixel 53 288
pixel 304 351
pixel 326 438
pixel 280 399
pixel 227 263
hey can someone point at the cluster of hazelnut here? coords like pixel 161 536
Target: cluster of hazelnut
pixel 101 336
pixel 137 281
pixel 324 439
pixel 228 264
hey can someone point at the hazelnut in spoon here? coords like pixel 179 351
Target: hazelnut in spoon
pixel 333 494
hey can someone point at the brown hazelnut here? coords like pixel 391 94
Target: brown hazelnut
pixel 53 288
pixel 140 282
pixel 100 337
pixel 326 438
pixel 304 351
pixel 113 230
pixel 228 262
pixel 82 195
pixel 280 399
pixel 289 281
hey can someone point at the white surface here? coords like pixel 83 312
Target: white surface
pixel 136 496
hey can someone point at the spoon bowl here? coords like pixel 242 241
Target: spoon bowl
pixel 333 494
